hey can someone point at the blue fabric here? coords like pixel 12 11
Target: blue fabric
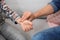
pixel 49 34
pixel 55 4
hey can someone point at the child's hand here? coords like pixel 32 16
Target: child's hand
pixel 26 25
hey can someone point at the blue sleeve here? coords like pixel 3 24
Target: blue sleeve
pixel 55 4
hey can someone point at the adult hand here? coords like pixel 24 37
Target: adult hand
pixel 27 16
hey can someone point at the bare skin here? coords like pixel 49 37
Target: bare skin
pixel 44 11
pixel 27 26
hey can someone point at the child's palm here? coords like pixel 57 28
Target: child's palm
pixel 26 25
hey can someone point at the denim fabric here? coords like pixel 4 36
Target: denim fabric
pixel 49 34
pixel 55 4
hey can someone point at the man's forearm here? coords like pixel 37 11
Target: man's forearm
pixel 44 11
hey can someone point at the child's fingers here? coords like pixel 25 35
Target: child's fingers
pixel 29 27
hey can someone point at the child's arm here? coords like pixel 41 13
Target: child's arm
pixel 9 12
pixel 26 25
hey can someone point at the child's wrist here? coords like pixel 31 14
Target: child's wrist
pixel 17 19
